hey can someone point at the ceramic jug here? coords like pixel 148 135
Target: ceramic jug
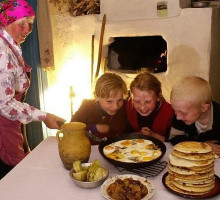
pixel 74 144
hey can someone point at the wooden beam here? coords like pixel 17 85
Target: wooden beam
pixel 100 46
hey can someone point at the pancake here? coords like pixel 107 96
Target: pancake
pixel 191 168
pixel 201 188
pixel 193 147
pixel 196 185
pixel 195 182
pixel 194 156
pixel 176 161
pixel 203 168
pixel 193 176
pixel 176 189
pixel 180 171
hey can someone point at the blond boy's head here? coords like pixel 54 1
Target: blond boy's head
pixel 109 84
pixel 192 89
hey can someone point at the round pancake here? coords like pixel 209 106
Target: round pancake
pixel 192 147
pixel 202 168
pixel 180 171
pixel 204 176
pixel 193 156
pixel 176 189
pixel 181 162
pixel 204 181
pixel 191 170
pixel 196 168
pixel 202 188
pixel 196 185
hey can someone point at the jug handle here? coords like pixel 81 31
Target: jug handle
pixel 58 135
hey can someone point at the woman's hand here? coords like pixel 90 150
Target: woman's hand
pixel 54 122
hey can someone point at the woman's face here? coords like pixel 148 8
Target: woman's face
pixel 112 104
pixel 144 102
pixel 20 29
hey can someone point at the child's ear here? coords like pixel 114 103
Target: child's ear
pixel 206 107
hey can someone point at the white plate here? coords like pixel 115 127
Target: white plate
pixel 144 181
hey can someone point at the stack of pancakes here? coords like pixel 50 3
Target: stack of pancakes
pixel 191 168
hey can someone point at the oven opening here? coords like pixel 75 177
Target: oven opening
pixel 132 54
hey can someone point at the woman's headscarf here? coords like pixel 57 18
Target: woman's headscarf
pixel 12 10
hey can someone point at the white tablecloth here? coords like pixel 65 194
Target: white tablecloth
pixel 42 176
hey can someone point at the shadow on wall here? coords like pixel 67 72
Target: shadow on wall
pixel 184 61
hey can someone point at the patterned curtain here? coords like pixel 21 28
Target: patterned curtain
pixel 45 35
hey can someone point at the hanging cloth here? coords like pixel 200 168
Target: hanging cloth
pixel 45 35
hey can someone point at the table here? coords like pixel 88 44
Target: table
pixel 42 176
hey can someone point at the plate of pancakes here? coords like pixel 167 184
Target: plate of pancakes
pixel 191 171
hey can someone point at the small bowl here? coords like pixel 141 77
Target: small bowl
pixel 87 184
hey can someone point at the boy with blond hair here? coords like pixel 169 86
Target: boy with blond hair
pixel 105 115
pixel 197 116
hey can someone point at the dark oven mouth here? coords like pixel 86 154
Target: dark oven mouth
pixel 132 54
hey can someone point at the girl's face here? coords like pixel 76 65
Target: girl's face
pixel 112 104
pixel 20 29
pixel 186 111
pixel 144 102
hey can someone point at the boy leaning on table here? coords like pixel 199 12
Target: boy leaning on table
pixel 197 117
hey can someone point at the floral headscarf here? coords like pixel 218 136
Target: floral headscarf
pixel 12 10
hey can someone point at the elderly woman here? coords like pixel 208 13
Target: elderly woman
pixel 16 19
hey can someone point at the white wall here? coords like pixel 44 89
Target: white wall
pixel 192 35
pixel 188 36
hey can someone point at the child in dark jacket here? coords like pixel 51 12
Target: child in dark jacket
pixel 105 115
pixel 197 116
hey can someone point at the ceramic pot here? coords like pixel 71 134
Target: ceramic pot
pixel 74 144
